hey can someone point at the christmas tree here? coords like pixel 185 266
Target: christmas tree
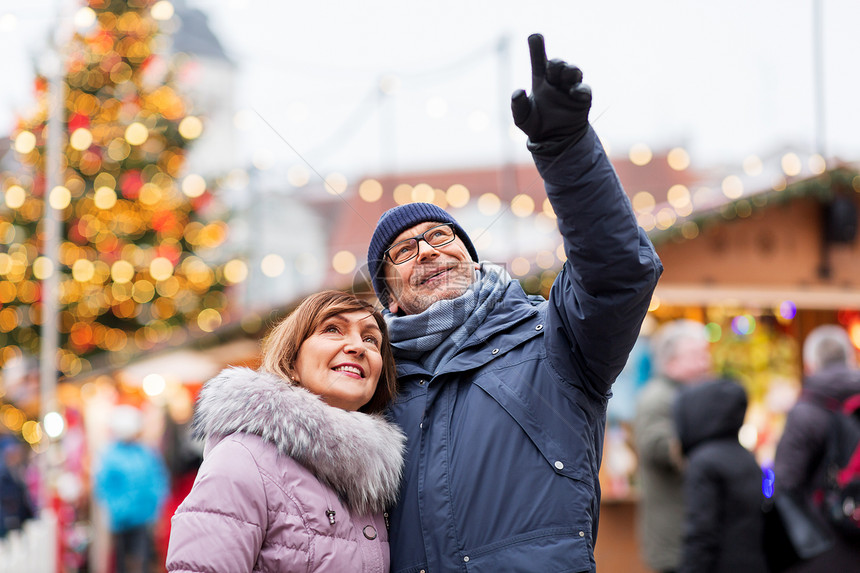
pixel 132 275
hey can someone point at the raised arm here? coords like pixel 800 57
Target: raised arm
pixel 600 298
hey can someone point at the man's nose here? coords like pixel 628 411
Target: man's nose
pixel 425 249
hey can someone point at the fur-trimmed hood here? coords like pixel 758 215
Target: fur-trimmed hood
pixel 360 456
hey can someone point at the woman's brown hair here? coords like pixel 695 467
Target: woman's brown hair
pixel 281 346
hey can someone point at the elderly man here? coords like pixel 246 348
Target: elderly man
pixel 502 395
pixel 682 357
pixel 832 376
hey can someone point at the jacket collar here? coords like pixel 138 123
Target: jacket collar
pixel 360 456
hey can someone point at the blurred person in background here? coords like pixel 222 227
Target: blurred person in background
pixel 831 376
pixel 298 465
pixel 16 507
pixel 723 522
pixel 131 482
pixel 681 357
pixel 503 395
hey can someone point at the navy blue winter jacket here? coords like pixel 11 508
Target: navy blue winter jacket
pixel 504 442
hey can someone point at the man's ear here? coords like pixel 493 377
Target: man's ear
pixel 393 307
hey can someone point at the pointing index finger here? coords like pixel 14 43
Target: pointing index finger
pixel 538 56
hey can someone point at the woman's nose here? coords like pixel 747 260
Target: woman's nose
pixel 353 344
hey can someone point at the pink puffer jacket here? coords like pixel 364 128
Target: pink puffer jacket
pixel 288 483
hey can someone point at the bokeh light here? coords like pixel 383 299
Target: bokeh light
pixel 343 262
pixel 190 127
pixel 136 133
pixel 743 325
pixel 787 309
pixel 457 195
pixel 15 196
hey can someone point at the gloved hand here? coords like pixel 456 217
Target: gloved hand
pixel 555 116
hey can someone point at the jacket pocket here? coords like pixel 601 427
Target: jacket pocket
pixel 554 550
pixel 565 458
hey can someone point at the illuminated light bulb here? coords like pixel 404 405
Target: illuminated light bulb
pixel 752 165
pixel 522 205
pixel 732 187
pixel 136 133
pixel 370 190
pixel 298 176
pixel 336 183
pixel 457 195
pixel 520 266
pixel 713 331
pixel 60 197
pixel 209 320
pixel 743 324
pixel 43 267
pixel 25 142
pixel 104 198
pixel 422 193
pixel 791 164
pixel 81 139
pixel 343 262
pixel 787 309
pixel 190 127
pixel 153 384
pixel 548 210
pixel 84 18
pixel 666 218
pixel 15 196
pixel 31 432
pixel 122 272
pixel 678 196
pixel 640 154
pixel 161 268
pixel 403 194
pixel 235 271
pixel 162 10
pixel 54 424
pixel 643 202
pixel 272 265
pixel 193 185
pixel 489 204
pixel 83 270
pixel 817 164
pixel 678 159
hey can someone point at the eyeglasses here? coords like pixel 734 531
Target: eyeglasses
pixel 407 250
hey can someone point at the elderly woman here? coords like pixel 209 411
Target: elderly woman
pixel 299 465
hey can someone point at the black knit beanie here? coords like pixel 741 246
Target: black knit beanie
pixel 395 221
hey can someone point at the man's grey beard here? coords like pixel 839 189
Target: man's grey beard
pixel 453 287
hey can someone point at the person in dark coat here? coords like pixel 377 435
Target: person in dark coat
pixel 503 396
pixel 723 522
pixel 829 361
pixel 16 506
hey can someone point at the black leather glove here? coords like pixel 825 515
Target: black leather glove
pixel 555 116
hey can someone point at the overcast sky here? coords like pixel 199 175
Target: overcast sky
pixel 725 80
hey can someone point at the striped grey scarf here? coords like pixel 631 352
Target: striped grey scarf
pixel 434 336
